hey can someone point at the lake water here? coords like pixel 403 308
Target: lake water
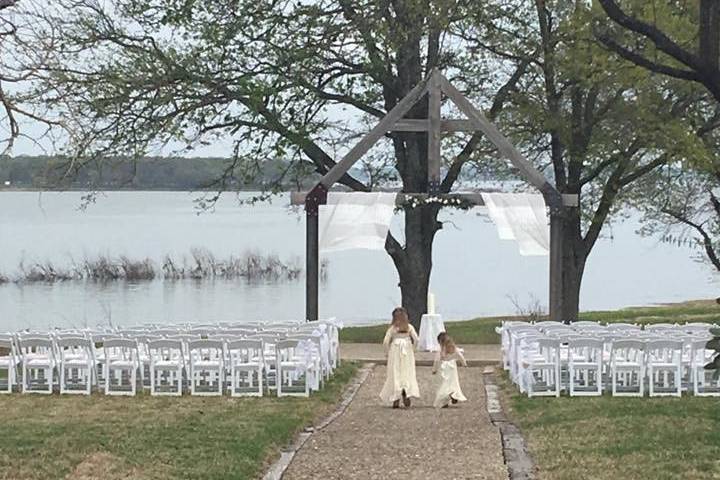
pixel 474 273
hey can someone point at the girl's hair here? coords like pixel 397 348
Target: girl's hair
pixel 400 320
pixel 447 344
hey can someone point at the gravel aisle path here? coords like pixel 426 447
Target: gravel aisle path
pixel 373 441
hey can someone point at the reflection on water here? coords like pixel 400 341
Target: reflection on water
pixel 474 272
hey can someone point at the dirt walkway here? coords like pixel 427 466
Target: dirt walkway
pixel 373 441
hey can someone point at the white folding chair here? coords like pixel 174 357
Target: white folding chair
pixel 120 366
pixel 246 363
pixel 699 357
pixel 585 365
pixel 166 367
pixel 38 364
pixel 207 367
pixel 515 351
pixel 664 367
pixel 627 363
pixel 311 353
pixel 77 365
pixel 543 370
pixel 8 361
pixel 291 367
pixel 269 343
pixel 527 351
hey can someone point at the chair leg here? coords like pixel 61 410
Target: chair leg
pixel 152 380
pixel 62 378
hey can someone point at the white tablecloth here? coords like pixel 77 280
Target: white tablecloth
pixel 431 325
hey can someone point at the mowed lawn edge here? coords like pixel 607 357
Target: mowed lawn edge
pixel 482 330
pixel 146 437
pixel 607 437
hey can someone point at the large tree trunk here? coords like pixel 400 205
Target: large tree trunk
pixel 573 265
pixel 414 261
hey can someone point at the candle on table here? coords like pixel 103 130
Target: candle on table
pixel 431 303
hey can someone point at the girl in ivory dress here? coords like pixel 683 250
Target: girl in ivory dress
pixel 400 341
pixel 446 361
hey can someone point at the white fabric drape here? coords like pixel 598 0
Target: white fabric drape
pixel 356 220
pixel 521 217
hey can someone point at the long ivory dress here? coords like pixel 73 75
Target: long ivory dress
pixel 400 349
pixel 447 365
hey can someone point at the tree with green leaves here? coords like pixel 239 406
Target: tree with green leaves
pixel 291 80
pixel 680 40
pixel 595 123
pixel 300 81
pixel 21 64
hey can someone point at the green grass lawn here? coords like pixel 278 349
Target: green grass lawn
pixel 619 438
pixel 482 330
pixel 152 437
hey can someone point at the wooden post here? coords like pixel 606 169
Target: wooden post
pixel 434 156
pixel 557 226
pixel 315 197
pixel 312 262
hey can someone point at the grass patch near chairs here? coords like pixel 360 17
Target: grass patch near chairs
pixel 482 330
pixel 609 437
pixel 148 437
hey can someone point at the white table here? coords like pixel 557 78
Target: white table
pixel 431 325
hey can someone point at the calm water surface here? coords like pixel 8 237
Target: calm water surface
pixel 474 272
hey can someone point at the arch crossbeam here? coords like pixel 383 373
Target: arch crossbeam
pixel 433 87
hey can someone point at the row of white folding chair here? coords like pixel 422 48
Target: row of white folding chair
pixel 651 357
pixel 73 357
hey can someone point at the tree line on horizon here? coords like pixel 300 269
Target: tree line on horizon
pixel 144 173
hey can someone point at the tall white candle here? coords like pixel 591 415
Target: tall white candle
pixel 431 303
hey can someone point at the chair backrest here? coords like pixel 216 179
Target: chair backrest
pixel 74 346
pixel 117 348
pixel 166 350
pixel 69 342
pixel 268 339
pixel 698 349
pixel 129 333
pixel 235 332
pixel 206 350
pixel 586 323
pixel 202 331
pixel 285 348
pixel 185 337
pixel 71 334
pixel 244 350
pixel 547 323
pixel 37 346
pixel 623 327
pixel 627 350
pixel 652 327
pixel 588 348
pixel 164 332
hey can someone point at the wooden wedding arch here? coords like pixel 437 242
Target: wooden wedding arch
pixel 435 85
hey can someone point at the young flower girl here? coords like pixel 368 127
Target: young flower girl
pixel 400 341
pixel 446 361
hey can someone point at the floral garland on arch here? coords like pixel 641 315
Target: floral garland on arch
pixel 446 201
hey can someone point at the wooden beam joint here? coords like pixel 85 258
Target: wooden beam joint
pixel 314 198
